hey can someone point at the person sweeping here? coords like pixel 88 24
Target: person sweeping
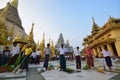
pixel 89 57
pixel 62 52
pixel 106 53
pixel 77 57
pixel 27 53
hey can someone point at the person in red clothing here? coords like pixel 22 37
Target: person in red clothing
pixel 89 57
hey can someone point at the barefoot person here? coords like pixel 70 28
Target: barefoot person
pixel 27 54
pixel 89 57
pixel 106 53
pixel 62 51
pixel 14 54
pixel 78 58
pixel 47 52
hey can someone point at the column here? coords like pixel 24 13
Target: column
pixel 94 52
pixel 117 45
pixel 102 47
pixel 99 52
pixel 110 48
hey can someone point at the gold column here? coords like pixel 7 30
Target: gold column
pixel 94 52
pixel 102 47
pixel 110 48
pixel 99 52
pixel 117 45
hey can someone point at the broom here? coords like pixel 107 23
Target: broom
pixel 18 66
pixel 99 69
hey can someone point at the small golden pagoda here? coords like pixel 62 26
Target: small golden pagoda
pixel 107 35
pixel 37 45
pixel 30 38
pixel 42 45
pixel 20 40
pixel 52 49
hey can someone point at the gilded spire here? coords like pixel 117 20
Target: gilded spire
pixel 32 27
pixel 43 39
pixel 52 44
pixel 95 27
pixel 38 44
pixel 52 48
pixel 93 20
pixel 49 40
pixel 30 36
pixel 42 45
pixel 14 3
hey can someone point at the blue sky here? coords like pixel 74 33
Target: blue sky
pixel 73 18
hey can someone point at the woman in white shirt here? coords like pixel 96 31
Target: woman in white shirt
pixel 78 59
pixel 106 53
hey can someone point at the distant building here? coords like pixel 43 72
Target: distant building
pixel 107 35
pixel 60 41
pixel 66 45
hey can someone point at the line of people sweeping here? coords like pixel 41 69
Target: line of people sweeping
pixel 17 56
pixel 77 56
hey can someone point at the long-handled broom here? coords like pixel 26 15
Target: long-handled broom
pixel 99 69
pixel 16 69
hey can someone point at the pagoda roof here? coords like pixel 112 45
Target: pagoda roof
pixel 104 41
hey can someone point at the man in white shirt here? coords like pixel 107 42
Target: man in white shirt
pixel 14 54
pixel 106 53
pixel 78 59
pixel 47 52
pixel 38 56
pixel 62 52
pixel 33 57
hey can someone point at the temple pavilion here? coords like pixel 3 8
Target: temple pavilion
pixel 108 35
